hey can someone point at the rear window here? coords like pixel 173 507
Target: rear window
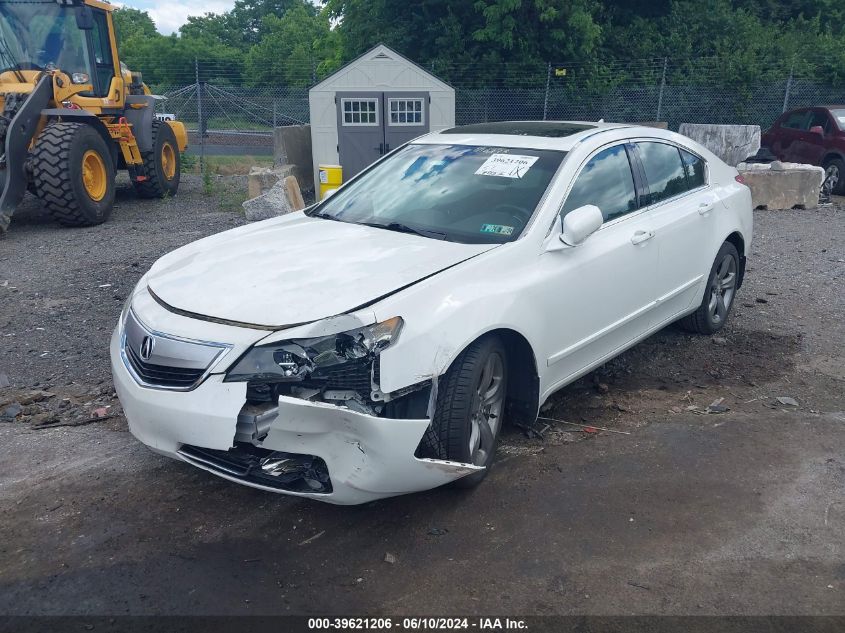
pixel 839 115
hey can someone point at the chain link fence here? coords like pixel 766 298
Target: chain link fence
pixel 226 116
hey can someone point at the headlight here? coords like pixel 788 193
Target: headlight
pixel 297 359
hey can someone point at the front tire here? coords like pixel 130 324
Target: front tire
pixel 162 165
pixel 470 408
pixel 834 172
pixel 722 283
pixel 73 174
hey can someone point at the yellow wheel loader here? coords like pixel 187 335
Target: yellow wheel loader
pixel 71 114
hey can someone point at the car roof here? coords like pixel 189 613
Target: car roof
pixel 554 135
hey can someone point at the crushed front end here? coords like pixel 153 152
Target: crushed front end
pixel 302 416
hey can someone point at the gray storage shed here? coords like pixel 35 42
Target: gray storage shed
pixel 372 105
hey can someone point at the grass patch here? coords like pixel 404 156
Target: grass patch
pixel 225 165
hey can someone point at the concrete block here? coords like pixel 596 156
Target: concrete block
pixel 292 146
pixel 261 179
pixel 732 143
pixel 783 185
pixel 283 197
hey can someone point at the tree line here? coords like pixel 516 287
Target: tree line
pixel 294 43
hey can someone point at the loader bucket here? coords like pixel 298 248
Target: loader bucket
pixel 13 177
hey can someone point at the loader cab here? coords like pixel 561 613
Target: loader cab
pixel 75 38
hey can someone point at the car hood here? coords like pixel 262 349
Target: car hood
pixel 297 269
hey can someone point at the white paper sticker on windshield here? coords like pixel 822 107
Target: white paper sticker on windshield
pixel 506 165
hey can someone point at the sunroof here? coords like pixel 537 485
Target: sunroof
pixel 552 129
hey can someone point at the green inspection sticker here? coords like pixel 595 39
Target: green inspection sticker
pixel 498 229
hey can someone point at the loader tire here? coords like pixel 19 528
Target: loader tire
pixel 73 174
pixel 162 164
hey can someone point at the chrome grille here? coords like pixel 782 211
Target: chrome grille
pixel 161 375
pixel 163 361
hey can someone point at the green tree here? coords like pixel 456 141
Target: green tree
pixel 295 49
pixel 244 25
pixel 131 24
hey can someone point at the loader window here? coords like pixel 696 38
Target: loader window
pixel 102 53
pixel 42 34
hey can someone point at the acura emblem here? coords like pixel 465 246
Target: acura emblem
pixel 147 346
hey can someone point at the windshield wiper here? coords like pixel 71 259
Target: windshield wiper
pixel 319 214
pixel 404 228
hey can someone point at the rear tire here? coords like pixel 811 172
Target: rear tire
pixel 162 164
pixel 471 395
pixel 719 294
pixel 835 171
pixel 73 174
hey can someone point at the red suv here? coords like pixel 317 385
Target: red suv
pixel 811 135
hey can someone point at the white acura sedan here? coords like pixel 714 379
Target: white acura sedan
pixel 375 344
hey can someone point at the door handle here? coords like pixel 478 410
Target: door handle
pixel 641 236
pixel 704 208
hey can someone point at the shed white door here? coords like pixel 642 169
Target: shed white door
pixel 370 124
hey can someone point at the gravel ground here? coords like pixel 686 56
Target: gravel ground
pixel 568 522
pixel 62 289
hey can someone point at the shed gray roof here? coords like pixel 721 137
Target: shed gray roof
pixel 382 49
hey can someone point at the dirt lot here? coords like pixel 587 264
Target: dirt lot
pixel 679 511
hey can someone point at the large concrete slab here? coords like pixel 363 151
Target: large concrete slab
pixel 732 143
pixel 783 185
pixel 292 146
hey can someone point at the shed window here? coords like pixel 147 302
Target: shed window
pixel 360 112
pixel 406 111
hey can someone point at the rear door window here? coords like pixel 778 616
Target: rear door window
pixel 605 181
pixel 664 171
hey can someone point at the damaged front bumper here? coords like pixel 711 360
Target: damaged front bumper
pixel 363 457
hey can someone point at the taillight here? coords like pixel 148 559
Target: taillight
pixel 739 179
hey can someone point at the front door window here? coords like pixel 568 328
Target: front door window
pixel 606 182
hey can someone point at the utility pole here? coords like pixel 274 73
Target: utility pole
pixel 200 122
pixel 662 88
pixel 788 87
pixel 546 99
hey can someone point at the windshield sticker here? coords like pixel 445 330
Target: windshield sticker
pixel 507 166
pixel 497 229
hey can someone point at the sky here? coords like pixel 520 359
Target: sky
pixel 169 15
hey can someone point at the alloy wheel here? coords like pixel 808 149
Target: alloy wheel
pixel 486 416
pixel 832 176
pixel 722 289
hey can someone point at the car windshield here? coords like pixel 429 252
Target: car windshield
pixel 41 34
pixel 469 194
pixel 839 115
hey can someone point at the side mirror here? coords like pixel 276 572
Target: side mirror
pixel 581 223
pixel 817 129
pixel 84 18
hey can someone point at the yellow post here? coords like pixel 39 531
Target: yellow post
pixel 331 177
